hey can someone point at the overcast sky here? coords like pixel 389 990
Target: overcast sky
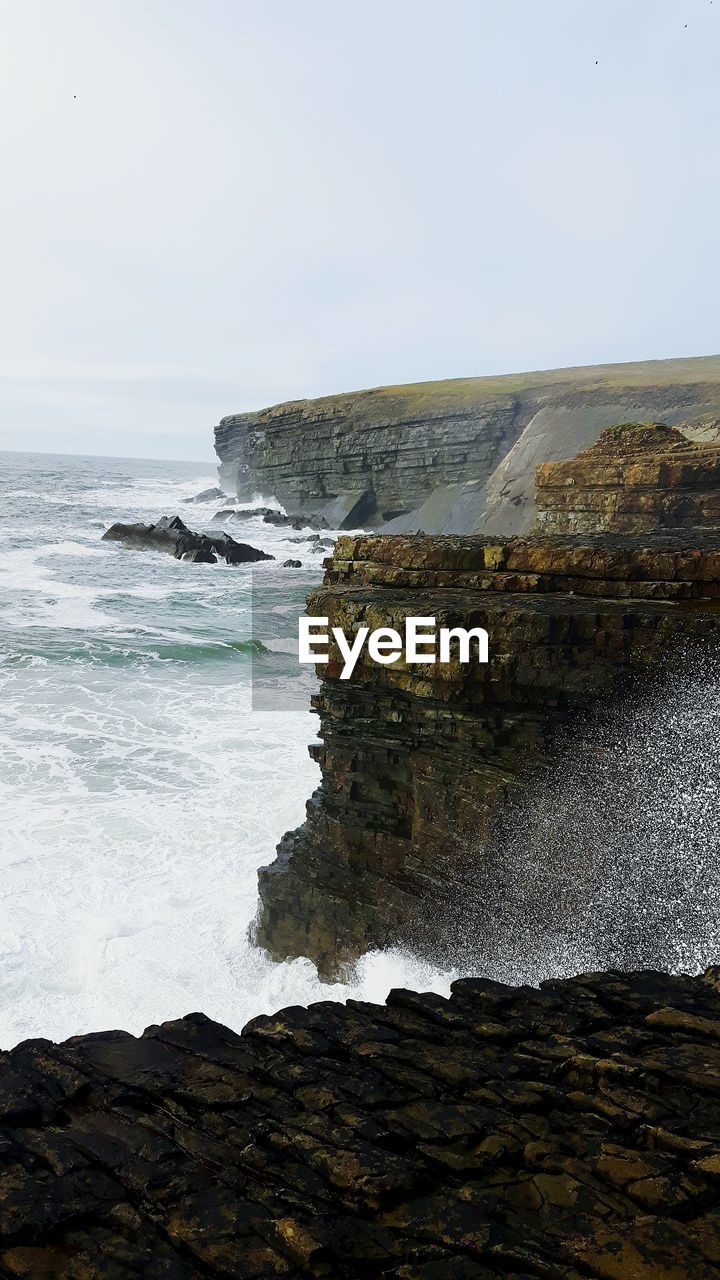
pixel 213 205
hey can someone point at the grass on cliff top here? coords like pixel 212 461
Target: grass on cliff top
pixel 408 400
pixel 458 391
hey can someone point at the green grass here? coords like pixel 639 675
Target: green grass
pixel 407 400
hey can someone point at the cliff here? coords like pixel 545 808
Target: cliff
pixel 637 477
pixel 570 1133
pixel 419 762
pixel 454 457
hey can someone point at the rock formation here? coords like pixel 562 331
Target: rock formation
pixel 207 495
pixel 637 477
pixel 570 1133
pixel 418 762
pixel 452 457
pixel 173 537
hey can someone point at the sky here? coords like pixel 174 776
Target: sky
pixel 213 205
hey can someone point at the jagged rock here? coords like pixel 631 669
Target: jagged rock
pixel 172 536
pixel 570 1133
pixel 292 564
pixel 397 446
pixel 419 762
pixel 209 495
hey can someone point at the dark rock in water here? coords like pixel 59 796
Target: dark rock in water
pixel 199 557
pixel 172 536
pixel 283 521
pixel 308 537
pixel 247 513
pixel 236 552
pixel 208 495
pixel 271 515
pixel 568 1132
pixel 293 521
pixel 292 564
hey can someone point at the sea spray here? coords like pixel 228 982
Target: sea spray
pixel 611 857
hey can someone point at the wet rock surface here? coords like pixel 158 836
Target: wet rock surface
pixel 172 536
pixel 566 1132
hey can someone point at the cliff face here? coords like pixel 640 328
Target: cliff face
pixel 570 1133
pixel 388 450
pixel 638 477
pixel 418 762
pixel 454 456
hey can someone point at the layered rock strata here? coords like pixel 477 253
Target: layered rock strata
pixel 637 477
pixel 418 762
pixel 569 1133
pixel 409 453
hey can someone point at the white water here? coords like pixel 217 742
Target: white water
pixel 139 790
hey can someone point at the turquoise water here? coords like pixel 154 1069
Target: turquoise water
pixel 140 789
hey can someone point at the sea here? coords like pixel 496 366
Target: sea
pixel 141 783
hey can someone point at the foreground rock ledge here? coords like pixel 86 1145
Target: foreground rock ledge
pixel 572 1131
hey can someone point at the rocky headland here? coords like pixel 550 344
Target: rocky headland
pixel 450 457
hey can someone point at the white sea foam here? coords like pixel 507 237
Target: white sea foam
pixel 76 549
pixel 44 597
pixel 129 884
pixel 140 792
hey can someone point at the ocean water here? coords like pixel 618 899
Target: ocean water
pixel 140 789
